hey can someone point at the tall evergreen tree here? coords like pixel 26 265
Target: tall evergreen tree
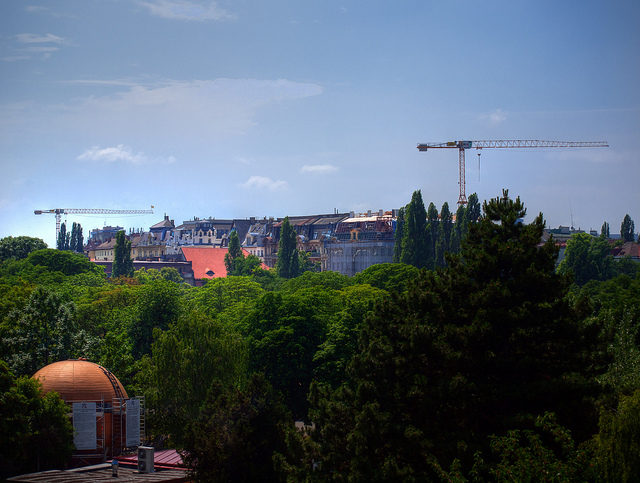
pixel 234 258
pixel 74 237
pixel 64 238
pixel 457 233
pixel 627 228
pixel 473 209
pixel 478 349
pixel 288 264
pixel 122 264
pixel 433 226
pixel 443 244
pixel 415 246
pixel 79 247
pixel 604 231
pixel 397 246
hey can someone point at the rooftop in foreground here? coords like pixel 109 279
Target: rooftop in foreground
pixel 102 473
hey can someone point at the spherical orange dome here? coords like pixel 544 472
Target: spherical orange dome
pixel 80 380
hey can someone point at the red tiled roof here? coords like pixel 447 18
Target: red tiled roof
pixel 628 249
pixel 208 262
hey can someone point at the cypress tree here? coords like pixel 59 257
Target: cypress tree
pixel 627 228
pixel 444 235
pixel 432 233
pixel 415 244
pixel 122 263
pixel 234 257
pixel 604 231
pixel 288 264
pixel 63 239
pixel 79 247
pixel 397 246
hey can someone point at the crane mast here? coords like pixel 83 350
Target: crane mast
pixel 87 211
pixel 461 146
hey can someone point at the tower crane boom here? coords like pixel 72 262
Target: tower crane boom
pixel 87 211
pixel 502 143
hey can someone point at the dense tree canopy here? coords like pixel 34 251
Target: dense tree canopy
pixel 122 264
pixel 415 240
pixel 627 229
pixel 490 366
pixel 587 258
pixel 19 247
pixel 472 351
pixel 35 430
pixel 288 264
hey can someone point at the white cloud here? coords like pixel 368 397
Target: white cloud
pixel 318 169
pixel 264 183
pixel 189 109
pixel 186 10
pixel 39 39
pixel 27 44
pixel 494 117
pixel 14 58
pixel 120 153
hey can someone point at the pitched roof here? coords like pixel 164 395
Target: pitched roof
pixel 628 249
pixel 208 262
pixel 166 223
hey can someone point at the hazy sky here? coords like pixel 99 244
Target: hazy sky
pixel 271 108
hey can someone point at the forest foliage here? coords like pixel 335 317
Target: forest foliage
pixel 472 358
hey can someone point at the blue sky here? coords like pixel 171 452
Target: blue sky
pixel 272 108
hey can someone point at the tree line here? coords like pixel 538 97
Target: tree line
pixel 495 365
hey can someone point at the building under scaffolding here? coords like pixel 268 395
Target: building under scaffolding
pixel 359 242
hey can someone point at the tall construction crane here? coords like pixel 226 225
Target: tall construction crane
pixel 512 143
pixel 88 211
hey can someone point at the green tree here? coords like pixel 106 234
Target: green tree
pixel 158 307
pixel 287 265
pixel 433 227
pixel 19 247
pixel 63 261
pixel 189 359
pixel 64 238
pixel 443 244
pixel 458 232
pixel 343 329
pixel 545 453
pixel 234 295
pixel 145 275
pixel 122 264
pixel 604 230
pixel 618 442
pixel 238 433
pixel 234 258
pixel 416 249
pixel 398 236
pixel 44 331
pixel 587 258
pixel 473 350
pixel 284 332
pixel 473 210
pixel 392 277
pixel 627 229
pixel 35 429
